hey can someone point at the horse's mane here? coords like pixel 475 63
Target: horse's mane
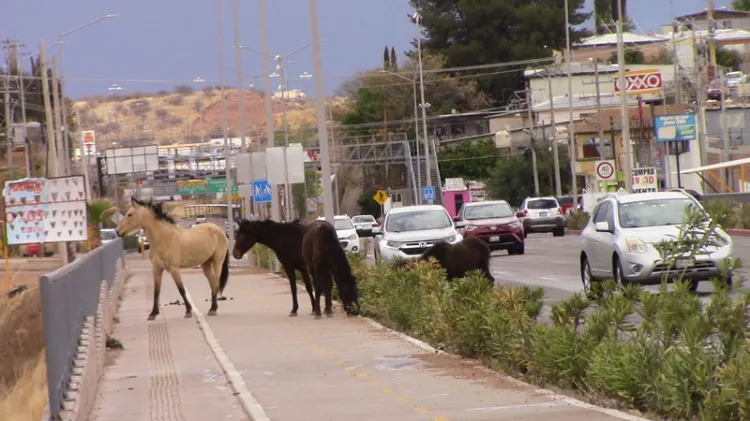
pixel 158 209
pixel 268 224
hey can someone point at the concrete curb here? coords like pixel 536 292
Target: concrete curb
pixel 734 232
pixel 249 404
pixel 572 232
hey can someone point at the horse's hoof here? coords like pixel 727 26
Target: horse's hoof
pixel 151 317
pixel 318 316
pixel 329 314
pixel 188 315
pixel 292 314
pixel 221 299
pixel 211 312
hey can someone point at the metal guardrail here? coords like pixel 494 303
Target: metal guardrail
pixel 69 295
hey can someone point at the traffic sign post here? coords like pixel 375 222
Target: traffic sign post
pixel 428 193
pixel 605 170
pixel 380 197
pixel 312 204
pixel 262 192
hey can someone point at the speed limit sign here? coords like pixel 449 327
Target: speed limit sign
pixel 605 170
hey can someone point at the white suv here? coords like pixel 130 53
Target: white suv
pixel 542 214
pixel 618 241
pixel 407 232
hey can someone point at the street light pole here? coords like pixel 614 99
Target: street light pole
pixel 325 159
pixel 225 113
pixel 428 176
pixel 200 110
pixel 275 214
pixel 628 167
pixel 240 88
pixel 572 150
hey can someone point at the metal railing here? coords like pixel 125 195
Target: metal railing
pixel 69 295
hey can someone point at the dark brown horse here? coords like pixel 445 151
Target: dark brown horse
pixel 326 259
pixel 460 258
pixel 285 239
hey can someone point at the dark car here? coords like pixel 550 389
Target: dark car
pixel 495 223
pixel 714 90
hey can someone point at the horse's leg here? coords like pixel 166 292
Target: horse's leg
pixel 318 279
pixel 157 272
pixel 309 288
pixel 175 272
pixel 290 273
pixel 328 285
pixel 213 281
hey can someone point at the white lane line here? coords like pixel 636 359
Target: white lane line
pixel 529 405
pixel 249 404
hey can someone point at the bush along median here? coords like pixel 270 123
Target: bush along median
pixel 668 354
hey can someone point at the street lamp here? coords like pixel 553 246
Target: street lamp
pixel 417 20
pixel 200 108
pixel 62 80
pixel 418 197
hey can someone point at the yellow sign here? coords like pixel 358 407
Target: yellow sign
pixel 380 197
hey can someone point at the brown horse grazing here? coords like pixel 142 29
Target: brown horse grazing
pixel 325 258
pixel 458 259
pixel 173 248
pixel 285 239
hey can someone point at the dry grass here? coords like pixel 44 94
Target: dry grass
pixel 23 390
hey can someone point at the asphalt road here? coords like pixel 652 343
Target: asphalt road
pixel 552 264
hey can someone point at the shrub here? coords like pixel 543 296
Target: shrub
pixel 161 113
pixel 176 100
pixel 184 89
pixel 722 211
pixel 685 359
pixel 577 220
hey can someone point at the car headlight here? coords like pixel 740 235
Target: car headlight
pixel 452 239
pixel 514 224
pixel 470 227
pixel 353 237
pixel 393 244
pixel 636 245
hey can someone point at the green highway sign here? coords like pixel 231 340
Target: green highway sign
pixel 194 190
pixel 219 185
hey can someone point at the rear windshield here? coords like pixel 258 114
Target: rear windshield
pixel 365 218
pixel 542 204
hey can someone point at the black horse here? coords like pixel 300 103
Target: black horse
pixel 326 259
pixel 460 258
pixel 285 239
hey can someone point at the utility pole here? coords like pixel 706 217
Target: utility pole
pixel 275 211
pixel 240 88
pixel 677 78
pixel 725 175
pixel 428 176
pixel 59 139
pixel 628 167
pixel 27 145
pixel 52 156
pixel 8 118
pixel 700 112
pixel 281 67
pixel 532 139
pixel 325 159
pixel 599 108
pixel 84 153
pixel 227 144
pixel 572 150
pixel 555 152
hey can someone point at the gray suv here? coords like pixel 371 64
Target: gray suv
pixel 542 214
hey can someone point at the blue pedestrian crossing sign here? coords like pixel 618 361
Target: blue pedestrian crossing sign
pixel 428 193
pixel 262 192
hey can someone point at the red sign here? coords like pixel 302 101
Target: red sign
pixel 640 82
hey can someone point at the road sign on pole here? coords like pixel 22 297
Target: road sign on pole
pixel 380 197
pixel 605 170
pixel 312 204
pixel 262 192
pixel 428 193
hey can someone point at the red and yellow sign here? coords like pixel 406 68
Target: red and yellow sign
pixel 639 82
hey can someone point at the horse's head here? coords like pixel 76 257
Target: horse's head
pixel 138 215
pixel 245 237
pixel 350 297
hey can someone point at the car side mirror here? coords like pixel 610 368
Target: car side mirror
pixel 519 214
pixel 603 226
pixel 456 218
pixel 460 224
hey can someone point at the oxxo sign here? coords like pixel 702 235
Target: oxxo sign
pixel 644 180
pixel 640 82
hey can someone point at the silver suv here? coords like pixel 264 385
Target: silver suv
pixel 542 214
pixel 618 241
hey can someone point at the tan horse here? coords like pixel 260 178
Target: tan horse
pixel 173 248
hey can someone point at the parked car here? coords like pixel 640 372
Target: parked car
pixel 364 224
pixel 714 90
pixel 107 235
pixel 494 222
pixel 346 232
pixel 734 79
pixel 566 203
pixel 409 231
pixel 619 241
pixel 200 219
pixel 542 214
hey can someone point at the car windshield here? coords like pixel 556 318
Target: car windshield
pixel 542 204
pixel 418 221
pixel 494 210
pixel 342 224
pixel 364 218
pixel 734 75
pixel 715 84
pixel 108 235
pixel 654 213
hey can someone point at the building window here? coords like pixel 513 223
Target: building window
pixel 481 127
pixel 594 148
pixel 458 129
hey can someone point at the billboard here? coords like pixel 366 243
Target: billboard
pixel 675 128
pixel 639 82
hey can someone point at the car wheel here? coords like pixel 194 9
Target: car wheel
pixel 525 234
pixel 617 271
pixel 588 280
pixel 517 250
pixel 559 232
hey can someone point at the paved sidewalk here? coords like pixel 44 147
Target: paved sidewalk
pixel 344 369
pixel 166 372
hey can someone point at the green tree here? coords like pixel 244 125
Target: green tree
pixel 728 58
pixel 513 176
pixel 471 33
pixel 743 5
pixel 386 58
pixel 468 160
pixel 368 205
pixel 394 60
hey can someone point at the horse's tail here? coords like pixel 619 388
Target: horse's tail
pixel 342 271
pixel 224 277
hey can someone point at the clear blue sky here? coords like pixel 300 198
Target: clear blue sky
pixel 177 40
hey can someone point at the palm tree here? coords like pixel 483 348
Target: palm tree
pixel 100 212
